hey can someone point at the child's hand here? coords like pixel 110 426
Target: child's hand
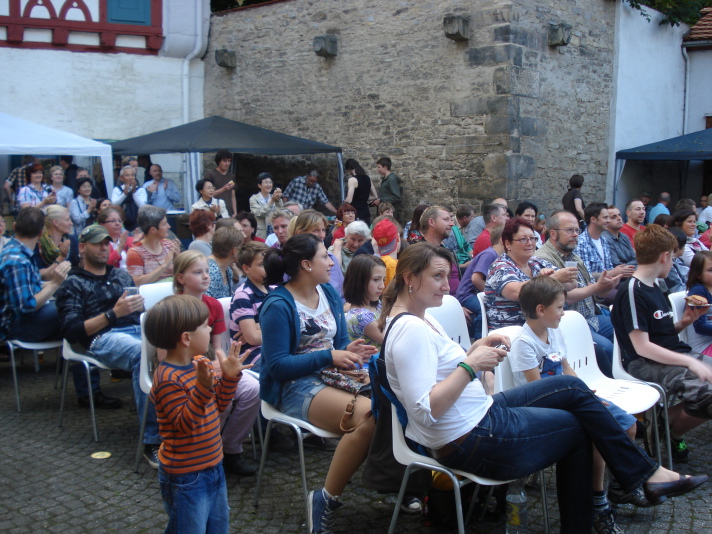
pixel 204 370
pixel 233 365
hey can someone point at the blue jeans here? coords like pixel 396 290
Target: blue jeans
pixel 40 325
pixel 120 348
pixel 474 328
pixel 552 421
pixel 604 339
pixel 196 502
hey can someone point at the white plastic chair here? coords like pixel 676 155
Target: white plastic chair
pixel 483 311
pixel 72 355
pixel 153 293
pixel 274 416
pixel 633 396
pixel 451 317
pixel 677 303
pixel 145 379
pixel 405 456
pixel 13 344
pixel 621 374
pixel 225 336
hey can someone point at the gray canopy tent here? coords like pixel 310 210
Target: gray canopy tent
pixel 694 146
pixel 214 133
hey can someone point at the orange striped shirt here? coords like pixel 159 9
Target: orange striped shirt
pixel 189 417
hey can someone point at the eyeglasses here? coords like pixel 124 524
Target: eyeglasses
pixel 525 240
pixel 570 231
pixel 113 221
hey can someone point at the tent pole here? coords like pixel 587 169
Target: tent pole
pixel 340 160
pixel 620 165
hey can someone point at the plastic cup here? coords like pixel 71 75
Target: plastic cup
pixel 131 291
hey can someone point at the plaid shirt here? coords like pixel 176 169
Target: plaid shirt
pixel 298 191
pixel 19 283
pixel 588 253
pixel 587 306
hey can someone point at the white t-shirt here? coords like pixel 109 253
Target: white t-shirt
pixel 598 245
pixel 317 327
pixel 417 358
pixel 528 351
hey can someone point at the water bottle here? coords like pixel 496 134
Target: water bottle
pixel 516 508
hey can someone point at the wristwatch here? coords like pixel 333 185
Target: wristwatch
pixel 110 315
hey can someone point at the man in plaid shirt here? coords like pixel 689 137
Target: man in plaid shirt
pixel 595 251
pixel 25 311
pixel 306 191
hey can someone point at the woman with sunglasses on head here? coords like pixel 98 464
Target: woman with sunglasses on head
pixel 514 268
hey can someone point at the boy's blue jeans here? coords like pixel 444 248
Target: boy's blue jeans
pixel 196 502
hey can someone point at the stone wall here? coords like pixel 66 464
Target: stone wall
pixel 501 114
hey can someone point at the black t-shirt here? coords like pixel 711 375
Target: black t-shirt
pixel 570 205
pixel 641 307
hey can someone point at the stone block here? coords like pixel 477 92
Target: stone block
pixel 509 33
pixel 496 166
pixel 519 166
pixel 495 55
pixel 500 124
pixel 473 107
pixel 475 144
pixel 559 34
pixel 325 45
pixel 226 58
pixel 532 127
pixel 516 81
pixel 457 27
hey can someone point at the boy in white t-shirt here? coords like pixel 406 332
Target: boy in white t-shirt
pixel 540 351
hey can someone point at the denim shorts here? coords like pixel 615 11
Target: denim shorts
pixel 623 418
pixel 297 395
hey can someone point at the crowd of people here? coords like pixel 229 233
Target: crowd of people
pixel 336 292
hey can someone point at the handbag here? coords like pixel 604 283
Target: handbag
pixel 354 382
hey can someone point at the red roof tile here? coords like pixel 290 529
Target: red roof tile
pixel 702 31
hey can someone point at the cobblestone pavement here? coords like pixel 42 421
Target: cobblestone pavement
pixel 51 484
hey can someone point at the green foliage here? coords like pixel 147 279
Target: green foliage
pixel 674 11
pixel 222 5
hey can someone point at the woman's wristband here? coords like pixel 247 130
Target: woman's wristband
pixel 469 370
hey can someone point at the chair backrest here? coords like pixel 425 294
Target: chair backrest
pixel 618 371
pixel 452 319
pixel 148 351
pixel 503 375
pixel 225 336
pixel 483 312
pixel 580 352
pixel 152 293
pixel 401 452
pixel 677 302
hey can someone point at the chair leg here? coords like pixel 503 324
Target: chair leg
pixel 36 356
pixel 141 433
pixel 14 376
pixel 544 504
pixel 64 390
pixel 265 446
pixel 399 500
pixel 305 489
pixel 87 367
pixel 58 367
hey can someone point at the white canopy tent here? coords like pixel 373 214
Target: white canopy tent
pixel 19 137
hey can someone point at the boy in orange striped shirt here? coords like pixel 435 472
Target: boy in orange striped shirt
pixel 188 401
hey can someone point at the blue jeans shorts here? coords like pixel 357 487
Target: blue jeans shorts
pixel 297 395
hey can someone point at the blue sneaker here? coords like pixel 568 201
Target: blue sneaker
pixel 321 512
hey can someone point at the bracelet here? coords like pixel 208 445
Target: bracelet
pixel 469 370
